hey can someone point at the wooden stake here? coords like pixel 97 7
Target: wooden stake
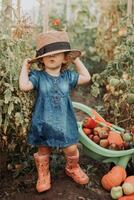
pixel 46 16
pixel 129 12
pixel 18 9
pixel 68 10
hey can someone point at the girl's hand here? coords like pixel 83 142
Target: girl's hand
pixel 26 63
pixel 76 60
pixel 70 57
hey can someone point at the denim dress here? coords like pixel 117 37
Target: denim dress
pixel 53 121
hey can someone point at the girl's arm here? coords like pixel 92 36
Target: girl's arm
pixel 84 75
pixel 24 83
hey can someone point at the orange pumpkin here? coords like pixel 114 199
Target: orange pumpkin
pixel 114 177
pixel 130 197
pixel 129 179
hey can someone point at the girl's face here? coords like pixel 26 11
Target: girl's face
pixel 54 61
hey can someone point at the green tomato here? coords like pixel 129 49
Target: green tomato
pixel 127 137
pixel 116 192
pixel 130 98
pixel 128 188
pixel 114 82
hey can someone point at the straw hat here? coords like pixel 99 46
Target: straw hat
pixel 54 42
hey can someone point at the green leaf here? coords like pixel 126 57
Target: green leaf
pixel 18 118
pixel 7 96
pixel 95 91
pixel 1 103
pixel 6 123
pixel 96 77
pixel 96 84
pixel 95 58
pixel 10 108
pixel 10 53
pixel 0 119
pixel 5 108
pixel 16 100
pixel 9 86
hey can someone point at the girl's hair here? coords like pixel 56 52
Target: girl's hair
pixel 63 67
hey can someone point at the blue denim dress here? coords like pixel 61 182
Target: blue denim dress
pixel 53 120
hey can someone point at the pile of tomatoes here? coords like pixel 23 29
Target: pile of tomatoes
pixel 107 138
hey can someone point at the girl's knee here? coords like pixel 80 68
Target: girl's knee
pixel 71 150
pixel 42 150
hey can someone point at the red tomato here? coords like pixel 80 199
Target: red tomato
pixel 56 22
pixel 96 139
pixel 87 131
pixel 91 136
pixel 89 123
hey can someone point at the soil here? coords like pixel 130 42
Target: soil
pixel 63 188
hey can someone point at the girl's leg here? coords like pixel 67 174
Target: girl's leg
pixel 71 150
pixel 42 150
pixel 72 168
pixel 42 165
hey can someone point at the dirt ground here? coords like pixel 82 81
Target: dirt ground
pixel 63 187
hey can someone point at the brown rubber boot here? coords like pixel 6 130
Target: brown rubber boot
pixel 42 165
pixel 73 170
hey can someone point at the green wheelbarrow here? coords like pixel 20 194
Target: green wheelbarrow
pixel 95 151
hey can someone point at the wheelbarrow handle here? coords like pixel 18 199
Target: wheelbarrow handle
pixel 99 118
pixel 93 114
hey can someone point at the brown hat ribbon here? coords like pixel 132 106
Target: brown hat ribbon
pixel 53 47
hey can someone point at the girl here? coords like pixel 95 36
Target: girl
pixel 53 121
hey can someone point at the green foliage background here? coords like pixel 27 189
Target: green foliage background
pixel 14 104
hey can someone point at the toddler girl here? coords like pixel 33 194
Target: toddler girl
pixel 53 121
